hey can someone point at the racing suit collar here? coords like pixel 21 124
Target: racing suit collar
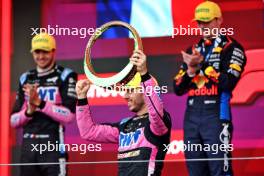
pixel 45 72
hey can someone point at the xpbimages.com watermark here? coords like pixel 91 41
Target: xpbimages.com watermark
pixel 97 92
pixel 83 32
pixel 196 31
pixel 147 90
pixel 175 147
pixel 66 31
pixel 51 147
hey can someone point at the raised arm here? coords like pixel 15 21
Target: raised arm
pixel 158 119
pixel 88 129
pixel 157 116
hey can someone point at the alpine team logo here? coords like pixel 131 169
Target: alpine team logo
pixel 48 93
pixel 128 139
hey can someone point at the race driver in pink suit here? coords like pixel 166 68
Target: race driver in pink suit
pixel 140 137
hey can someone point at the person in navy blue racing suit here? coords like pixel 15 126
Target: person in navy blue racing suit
pixel 209 74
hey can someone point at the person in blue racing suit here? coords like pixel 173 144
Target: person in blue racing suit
pixel 209 74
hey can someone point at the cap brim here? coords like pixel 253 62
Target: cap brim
pixel 42 49
pixel 204 20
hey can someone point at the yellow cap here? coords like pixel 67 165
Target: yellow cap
pixel 134 82
pixel 43 41
pixel 207 11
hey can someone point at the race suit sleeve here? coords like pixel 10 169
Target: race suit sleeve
pixel 18 116
pixel 234 61
pixel 154 105
pixel 91 131
pixel 65 112
pixel 182 80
